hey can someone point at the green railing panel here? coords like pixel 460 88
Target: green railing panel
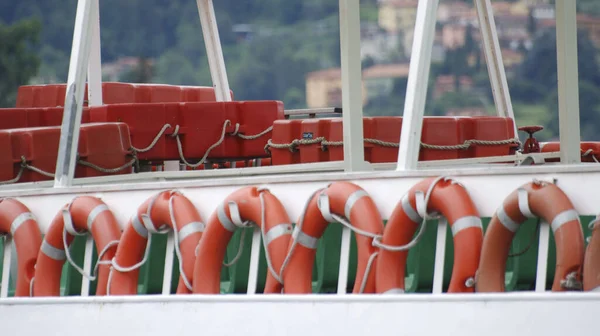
pixel 12 281
pixel 520 269
pixel 238 272
pixel 71 279
pixel 328 258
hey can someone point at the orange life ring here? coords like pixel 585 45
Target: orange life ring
pixel 168 209
pixel 591 265
pixel 531 200
pixel 441 195
pixel 242 207
pixel 324 207
pixel 18 221
pixel 83 214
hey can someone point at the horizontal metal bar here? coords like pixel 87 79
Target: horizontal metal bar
pixel 489 159
pixel 192 179
pixel 324 110
pixel 367 298
pixel 319 167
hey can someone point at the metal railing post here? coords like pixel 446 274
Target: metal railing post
pixel 69 136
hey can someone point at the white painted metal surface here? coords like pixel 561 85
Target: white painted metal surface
pixel 95 63
pixel 6 262
pixel 216 61
pixel 475 314
pixel 568 81
pixel 440 254
pixel 488 190
pixel 416 90
pixel 493 57
pixel 466 315
pixel 354 156
pixel 80 52
pixel 542 260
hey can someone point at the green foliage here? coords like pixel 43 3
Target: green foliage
pixel 18 59
pixel 540 64
pixel 536 83
pixel 143 73
pixel 452 100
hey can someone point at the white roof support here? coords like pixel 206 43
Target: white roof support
pixel 80 52
pixel 214 52
pixel 493 58
pixel 568 81
pixel 416 90
pixel 95 63
pixel 354 155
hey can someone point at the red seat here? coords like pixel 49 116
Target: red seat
pixel 492 129
pixel 313 129
pixel 6 159
pixel 444 131
pixel 52 95
pixel 103 144
pixel 284 132
pixel 35 117
pixel 200 126
pixel 385 129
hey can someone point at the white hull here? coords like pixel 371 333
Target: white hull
pixel 411 315
pixel 487 185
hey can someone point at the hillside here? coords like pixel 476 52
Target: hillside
pixel 271 45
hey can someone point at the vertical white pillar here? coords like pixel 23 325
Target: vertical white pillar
pixel 493 59
pixel 214 52
pixel 416 90
pixel 95 63
pixel 69 137
pixel 352 97
pixel 568 81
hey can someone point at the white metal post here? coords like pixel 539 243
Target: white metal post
pixel 69 137
pixel 493 59
pixel 352 97
pixel 6 266
pixel 568 81
pixel 95 62
pixel 542 257
pixel 416 90
pixel 216 62
pixel 168 270
pixel 440 256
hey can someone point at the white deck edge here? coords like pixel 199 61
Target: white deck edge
pixel 164 183
pixel 289 298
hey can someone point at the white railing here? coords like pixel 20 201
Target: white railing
pixel 487 186
pixel 9 268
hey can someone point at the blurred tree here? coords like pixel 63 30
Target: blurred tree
pixel 142 73
pixel 18 59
